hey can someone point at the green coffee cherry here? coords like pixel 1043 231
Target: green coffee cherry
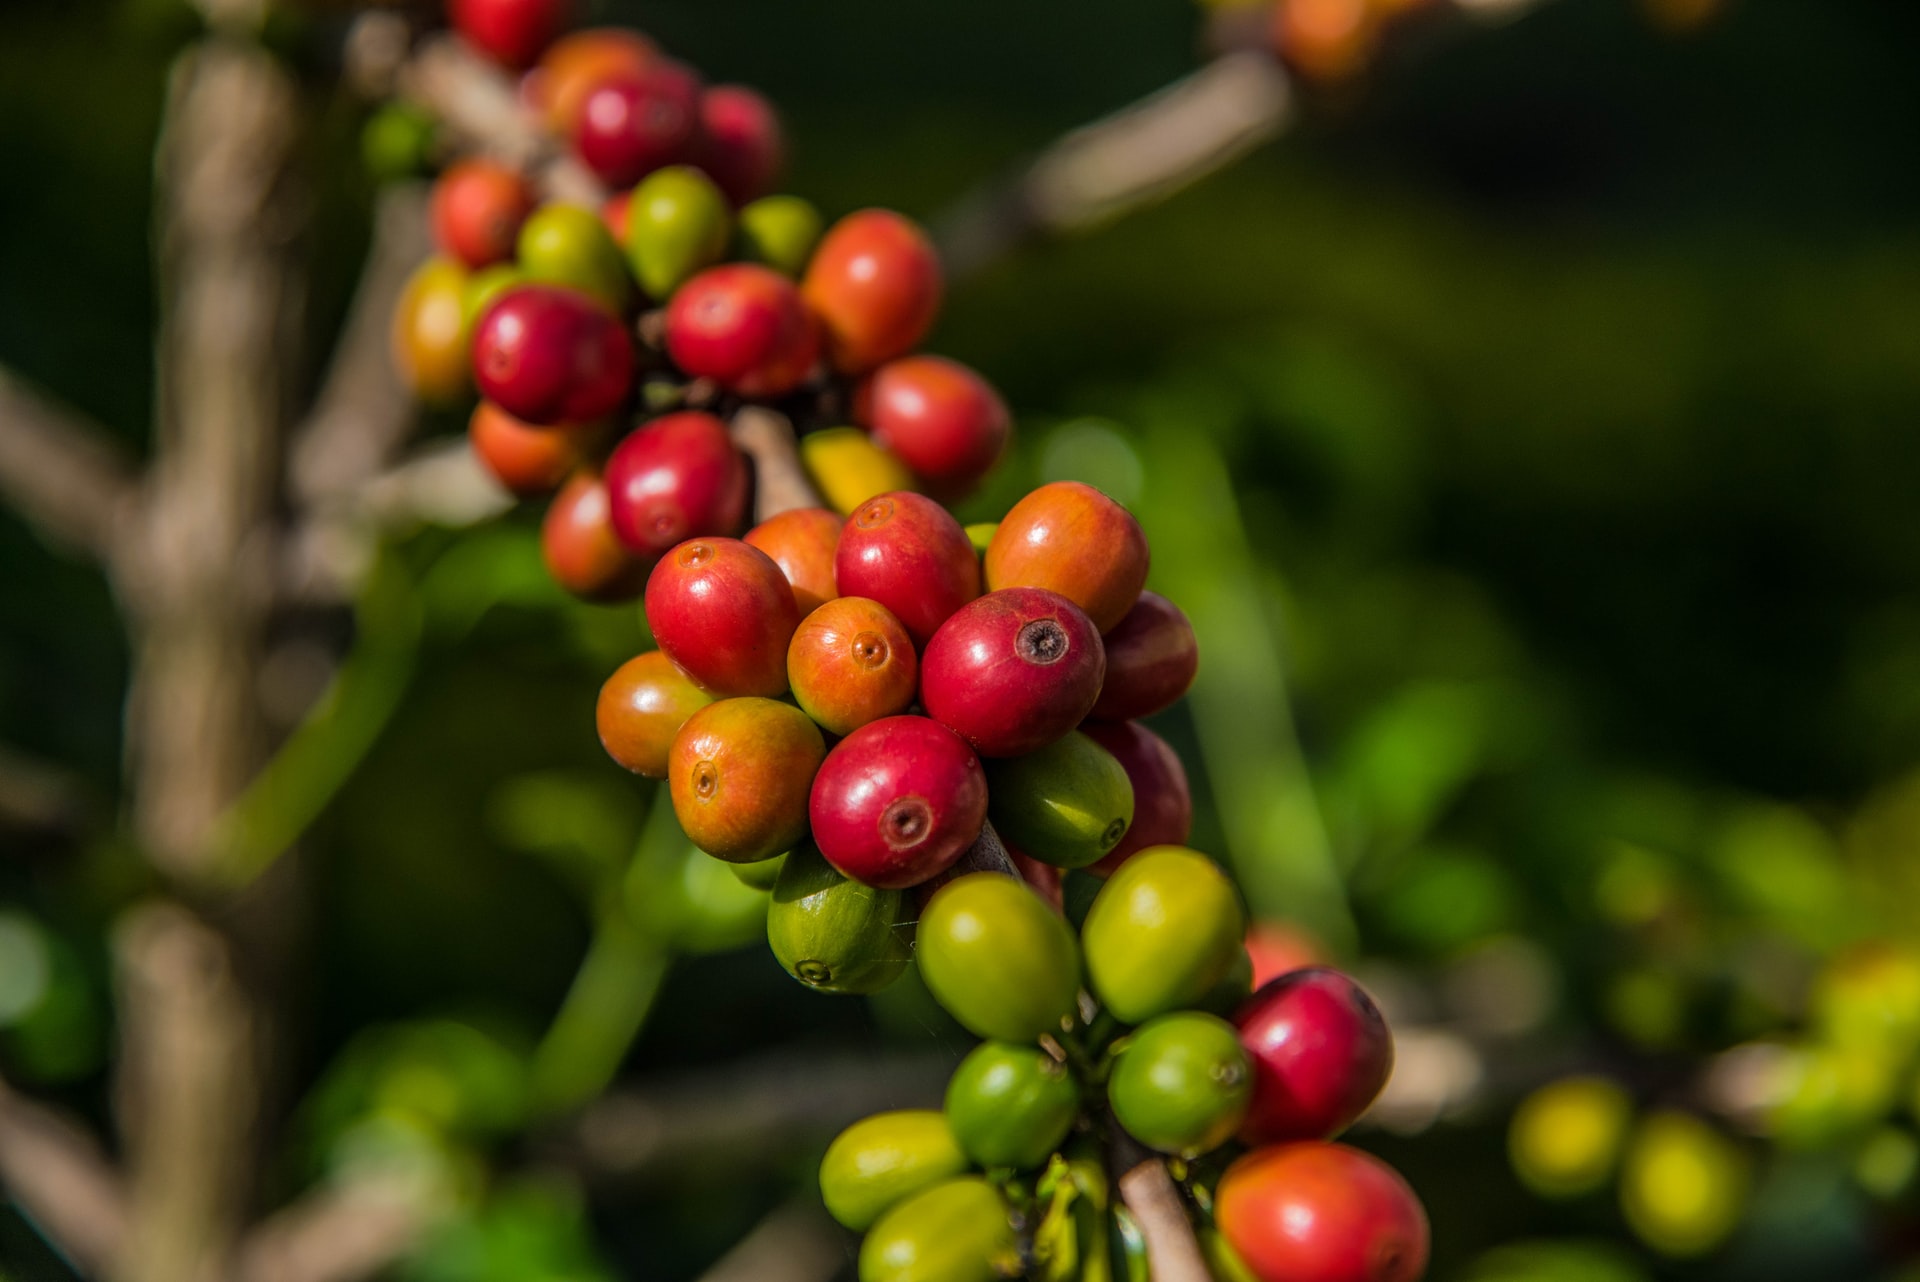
pixel 567 245
pixel 781 232
pixel 1182 1084
pixel 677 224
pixel 397 142
pixel 1162 932
pixel 484 286
pixel 998 958
pixel 1066 805
pixel 1011 1106
pixel 832 933
pixel 884 1159
pixel 958 1231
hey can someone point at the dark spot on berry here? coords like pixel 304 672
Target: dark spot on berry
pixel 1042 642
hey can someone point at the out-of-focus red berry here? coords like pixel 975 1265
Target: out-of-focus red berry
pixel 529 460
pixel 674 479
pixel 477 208
pixel 551 355
pixel 632 125
pixel 1321 1054
pixel 741 144
pixel 511 32
pixel 744 327
pixel 577 542
pixel 1314 1212
pixel 938 417
pixel 577 64
pixel 875 282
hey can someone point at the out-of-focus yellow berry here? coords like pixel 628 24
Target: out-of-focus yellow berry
pixel 1566 1136
pixel 1683 1185
pixel 848 468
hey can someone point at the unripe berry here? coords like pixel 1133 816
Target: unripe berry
pixel 852 662
pixel 723 612
pixel 802 541
pixel 1162 801
pixel 1151 660
pixel 641 709
pixel 849 470
pixel 511 32
pixel 529 460
pixel 780 231
pixel 577 543
pixel 1314 1212
pixel 477 208
pixel 739 773
pixel 571 246
pixel 741 146
pixel 677 223
pixel 875 283
pixel 897 802
pixel 634 124
pixel 579 63
pixel 1321 1054
pixel 1070 538
pixel 908 553
pixel 939 417
pixel 1013 671
pixel 676 478
pixel 744 327
pixel 551 355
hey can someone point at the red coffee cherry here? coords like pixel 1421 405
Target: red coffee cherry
pixel 908 553
pixel 852 662
pixel 579 63
pixel 529 460
pixel 1013 671
pixel 897 802
pixel 641 709
pixel 1162 802
pixel 511 32
pixel 1152 657
pixel 674 479
pixel 741 147
pixel 632 125
pixel 875 283
pixel 1314 1212
pixel 477 209
pixel 577 542
pixel 739 774
pixel 551 355
pixel 802 541
pixel 1070 538
pixel 723 611
pixel 744 327
pixel 938 417
pixel 1321 1054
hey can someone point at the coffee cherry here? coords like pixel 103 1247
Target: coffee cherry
pixel 1326 40
pixel 1321 1054
pixel 998 958
pixel 909 554
pixel 1279 948
pixel 1162 802
pixel 511 32
pixel 1163 931
pixel 1011 1106
pixel 676 478
pixel 397 142
pixel 802 542
pixel 615 212
pixel 1151 660
pixel 428 337
pixel 739 772
pixel 641 709
pixel 884 1159
pixel 581 552
pixel 1315 1212
pixel 529 460
pixel 1012 671
pixel 551 355
pixel 1045 879
pixel 677 223
pixel 897 802
pixel 875 283
pixel 1565 1138
pixel 482 289
pixel 764 875
pixel 780 232
pixel 477 209
pixel 630 126
pixel 849 469
pixel 851 662
pixel 567 245
pixel 723 612
pixel 579 63
pixel 1181 1084
pixel 741 146
pixel 1683 1184
pixel 744 327
pixel 1067 804
pixel 1070 538
pixel 939 417
pixel 958 1231
pixel 834 934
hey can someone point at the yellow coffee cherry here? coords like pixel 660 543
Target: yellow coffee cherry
pixel 848 468
pixel 1565 1138
pixel 1683 1185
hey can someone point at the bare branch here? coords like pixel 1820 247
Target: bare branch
pixel 62 473
pixel 780 483
pixel 794 1244
pixel 1140 154
pixel 363 410
pixel 56 1174
pixel 1173 1253
pixel 338 1234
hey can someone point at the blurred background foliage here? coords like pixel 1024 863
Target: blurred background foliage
pixel 1531 435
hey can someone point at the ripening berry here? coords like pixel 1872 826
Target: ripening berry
pixel 802 541
pixel 998 958
pixel 1321 1054
pixel 1152 657
pixel 848 469
pixel 577 543
pixel 552 355
pixel 677 223
pixel 529 460
pixel 633 124
pixel 908 553
pixel 477 208
pixel 1161 933
pixel 1162 801
pixel 851 662
pixel 897 802
pixel 875 282
pixel 723 611
pixel 676 478
pixel 579 63
pixel 1070 538
pixel 938 417
pixel 1317 1212
pixel 641 709
pixel 1012 671
pixel 511 32
pixel 567 245
pixel 738 774
pixel 744 327
pixel 741 146
pixel 883 1160
pixel 429 336
pixel 780 231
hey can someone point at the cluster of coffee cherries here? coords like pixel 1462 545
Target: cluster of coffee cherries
pixel 611 345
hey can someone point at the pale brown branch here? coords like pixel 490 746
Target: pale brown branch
pixel 780 481
pixel 363 411
pixel 1140 154
pixel 337 1234
pixel 1173 1253
pixel 55 1173
pixel 62 473
pixel 797 1243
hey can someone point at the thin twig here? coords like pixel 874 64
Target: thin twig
pixel 1173 1253
pixel 62 473
pixel 780 481
pixel 56 1174
pixel 336 1234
